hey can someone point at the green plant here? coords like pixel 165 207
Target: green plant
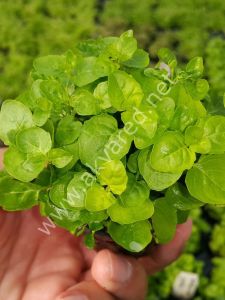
pixel 215 288
pixel 102 141
pixel 217 243
pixel 195 28
pixel 38 27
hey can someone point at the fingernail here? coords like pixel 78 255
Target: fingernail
pixel 120 268
pixel 76 297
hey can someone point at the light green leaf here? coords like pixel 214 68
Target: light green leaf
pixel 24 167
pixel 157 181
pixel 95 134
pixel 33 140
pixel 101 93
pixel 136 193
pixel 59 157
pixel 68 130
pixel 132 163
pixel 140 59
pixel 77 188
pixel 118 145
pixel 42 111
pixel 206 180
pixel 17 195
pixel 65 218
pixel 165 109
pixel 170 154
pixel 133 237
pixel 123 47
pixel 89 69
pixel 180 198
pixel 164 220
pixel 198 90
pixel 73 149
pixel 187 110
pixel 195 67
pixel 58 194
pixel 97 198
pixel 88 217
pixel 144 123
pixel 214 130
pixel 50 65
pixel 124 91
pixel 85 103
pixel 130 214
pixel 194 137
pixel 14 116
pixel 113 174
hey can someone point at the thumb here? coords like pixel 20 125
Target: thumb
pixel 120 275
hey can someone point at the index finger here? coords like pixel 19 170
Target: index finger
pixel 162 255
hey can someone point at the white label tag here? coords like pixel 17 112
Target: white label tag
pixel 185 285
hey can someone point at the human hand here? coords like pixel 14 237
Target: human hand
pixel 35 266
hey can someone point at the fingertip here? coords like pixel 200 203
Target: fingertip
pixel 110 267
pixel 120 275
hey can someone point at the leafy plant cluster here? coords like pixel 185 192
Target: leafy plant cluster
pixel 102 141
pixel 195 29
pixel 190 28
pixel 38 27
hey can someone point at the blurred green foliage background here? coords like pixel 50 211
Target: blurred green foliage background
pixel 30 28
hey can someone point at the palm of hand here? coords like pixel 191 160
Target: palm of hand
pixel 35 265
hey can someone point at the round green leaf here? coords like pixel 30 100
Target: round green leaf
pixel 214 130
pixel 170 154
pixel 33 140
pixel 58 194
pixel 68 130
pixel 77 188
pixel 124 91
pixel 14 116
pixel 95 134
pixel 101 93
pixel 195 66
pixel 164 220
pixel 97 198
pixel 85 103
pixel 136 192
pixel 17 195
pixel 59 157
pixel 133 237
pixel 144 123
pixel 156 180
pixel 24 167
pixel 206 180
pixel 140 59
pixel 127 215
pixel 180 198
pixel 113 174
